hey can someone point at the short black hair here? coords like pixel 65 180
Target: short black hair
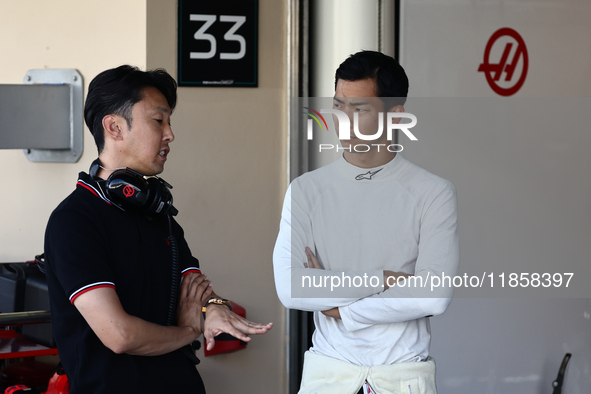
pixel 390 77
pixel 117 90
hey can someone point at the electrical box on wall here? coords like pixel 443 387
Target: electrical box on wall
pixel 44 116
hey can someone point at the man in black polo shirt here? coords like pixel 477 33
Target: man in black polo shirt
pixel 122 315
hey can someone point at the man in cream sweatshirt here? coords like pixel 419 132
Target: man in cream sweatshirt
pixel 360 242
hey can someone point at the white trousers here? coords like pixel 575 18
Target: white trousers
pixel 327 375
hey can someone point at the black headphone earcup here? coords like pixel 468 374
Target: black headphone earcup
pixel 94 168
pixel 157 195
pixel 127 189
pixel 160 197
pixel 130 190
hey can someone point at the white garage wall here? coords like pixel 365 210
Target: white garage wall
pixel 88 36
pixel 510 183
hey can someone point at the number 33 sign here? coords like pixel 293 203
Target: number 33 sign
pixel 217 43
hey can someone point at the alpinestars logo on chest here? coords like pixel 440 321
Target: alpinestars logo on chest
pixel 367 175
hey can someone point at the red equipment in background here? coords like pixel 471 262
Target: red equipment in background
pixel 225 343
pixel 27 341
pixel 58 384
pixel 25 329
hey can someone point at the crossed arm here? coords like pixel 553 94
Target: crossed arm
pixel 389 277
pixel 437 253
pixel 124 333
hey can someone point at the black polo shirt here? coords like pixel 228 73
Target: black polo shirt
pixel 90 243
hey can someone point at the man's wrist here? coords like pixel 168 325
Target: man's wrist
pixel 215 301
pixel 190 331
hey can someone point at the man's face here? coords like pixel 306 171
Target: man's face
pixel 359 97
pixel 145 147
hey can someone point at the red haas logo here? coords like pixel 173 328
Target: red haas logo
pixel 493 71
pixel 128 191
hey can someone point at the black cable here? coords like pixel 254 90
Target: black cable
pixel 174 289
pixel 174 286
pixel 40 260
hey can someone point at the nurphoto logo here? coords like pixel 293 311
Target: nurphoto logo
pixel 344 129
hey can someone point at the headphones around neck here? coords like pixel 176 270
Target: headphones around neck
pixel 128 189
